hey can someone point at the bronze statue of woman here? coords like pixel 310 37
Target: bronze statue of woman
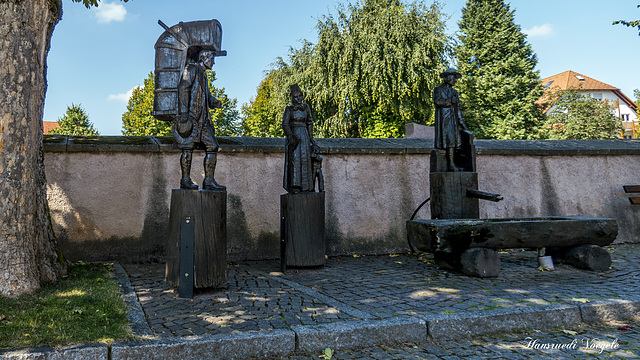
pixel 301 149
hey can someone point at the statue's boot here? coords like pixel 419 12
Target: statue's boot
pixel 210 159
pixel 188 184
pixel 451 165
pixel 185 167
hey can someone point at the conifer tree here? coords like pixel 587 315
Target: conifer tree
pixel 75 122
pixel 499 86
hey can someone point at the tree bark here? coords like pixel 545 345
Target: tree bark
pixel 29 255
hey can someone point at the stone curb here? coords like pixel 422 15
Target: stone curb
pixel 228 346
pixel 135 314
pixel 455 326
pixel 601 311
pixel 350 334
pixel 96 351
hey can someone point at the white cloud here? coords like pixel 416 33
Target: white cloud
pixel 108 12
pixel 544 30
pixel 124 97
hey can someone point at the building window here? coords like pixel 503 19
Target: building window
pixel 625 117
pixel 580 78
pixel 548 84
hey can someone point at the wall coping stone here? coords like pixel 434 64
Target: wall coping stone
pixel 138 144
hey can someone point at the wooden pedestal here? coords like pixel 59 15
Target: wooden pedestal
pixel 449 195
pixel 302 215
pixel 206 211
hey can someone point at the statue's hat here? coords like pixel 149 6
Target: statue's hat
pixel 451 71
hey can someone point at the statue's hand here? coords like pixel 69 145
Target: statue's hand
pixel 183 118
pixel 315 148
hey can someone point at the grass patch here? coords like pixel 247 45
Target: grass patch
pixel 85 306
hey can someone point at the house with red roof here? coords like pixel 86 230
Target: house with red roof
pixel 623 107
pixel 47 126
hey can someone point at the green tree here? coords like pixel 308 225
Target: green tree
pixel 29 253
pixel 76 122
pixel 138 121
pixel 372 70
pixel 577 116
pixel 260 118
pixel 631 23
pixel 499 86
pixel 226 120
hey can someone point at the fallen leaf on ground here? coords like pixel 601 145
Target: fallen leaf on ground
pixel 582 300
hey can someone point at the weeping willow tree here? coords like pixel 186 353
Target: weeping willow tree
pixel 372 70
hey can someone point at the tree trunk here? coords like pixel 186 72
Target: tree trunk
pixel 29 255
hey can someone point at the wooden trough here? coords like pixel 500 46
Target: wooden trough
pixel 577 240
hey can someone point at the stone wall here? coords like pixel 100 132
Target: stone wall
pixel 109 196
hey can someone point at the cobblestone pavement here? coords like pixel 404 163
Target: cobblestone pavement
pixel 250 301
pixel 257 297
pixel 392 286
pixel 610 342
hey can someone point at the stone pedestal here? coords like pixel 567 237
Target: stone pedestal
pixel 302 216
pixel 206 212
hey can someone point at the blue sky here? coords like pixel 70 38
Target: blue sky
pixel 99 55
